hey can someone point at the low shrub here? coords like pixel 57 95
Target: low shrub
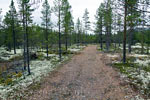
pixel 8 81
pixel 2 80
pixel 19 75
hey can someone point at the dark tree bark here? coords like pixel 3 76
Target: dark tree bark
pixel 79 38
pixel 46 38
pixel 130 32
pixel 27 42
pixel 130 40
pixel 66 42
pixel 100 36
pixel 107 39
pixel 14 35
pixel 60 52
pixel 24 28
pixel 125 31
pixel 147 48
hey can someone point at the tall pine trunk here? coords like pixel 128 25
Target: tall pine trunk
pixel 107 38
pixel 24 30
pixel 14 35
pixel 79 38
pixel 130 32
pixel 100 36
pixel 66 42
pixel 125 30
pixel 142 43
pixel 101 40
pixel 46 36
pixel 130 41
pixel 27 42
pixel 59 36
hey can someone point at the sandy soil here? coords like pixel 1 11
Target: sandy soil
pixel 84 77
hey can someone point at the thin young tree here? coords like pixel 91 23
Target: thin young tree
pixel 125 31
pixel 78 26
pixel 46 18
pixel 132 18
pixel 108 22
pixel 26 12
pixel 0 19
pixel 119 30
pixel 14 17
pixel 71 29
pixel 58 12
pixel 0 15
pixel 11 20
pixel 86 23
pixel 99 24
pixel 66 13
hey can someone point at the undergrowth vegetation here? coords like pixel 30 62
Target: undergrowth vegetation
pixel 13 82
pixel 136 70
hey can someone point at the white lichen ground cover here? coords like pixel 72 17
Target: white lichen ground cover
pixel 139 71
pixel 6 55
pixel 136 48
pixel 138 76
pixel 75 48
pixel 39 68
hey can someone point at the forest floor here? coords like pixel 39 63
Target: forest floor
pixel 85 77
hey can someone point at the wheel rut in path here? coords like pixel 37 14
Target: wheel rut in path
pixel 84 77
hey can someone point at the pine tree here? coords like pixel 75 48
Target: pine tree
pixel 26 12
pixel 108 22
pixel 99 23
pixel 132 19
pixel 46 12
pixel 78 25
pixel 14 23
pixel 66 13
pixel 1 33
pixel 119 29
pixel 71 29
pixel 11 21
pixel 7 28
pixel 58 12
pixel 125 31
pixel 143 16
pixel 86 23
pixel 0 17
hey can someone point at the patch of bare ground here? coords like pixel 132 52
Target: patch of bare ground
pixel 85 77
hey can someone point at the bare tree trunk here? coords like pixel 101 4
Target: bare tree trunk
pixel 27 42
pixel 147 48
pixel 125 30
pixel 107 39
pixel 66 43
pixel 130 32
pixel 24 29
pixel 100 40
pixel 100 36
pixel 78 38
pixel 59 36
pixel 46 38
pixel 14 35
pixel 130 41
pixel 142 44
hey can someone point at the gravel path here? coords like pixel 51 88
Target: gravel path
pixel 85 77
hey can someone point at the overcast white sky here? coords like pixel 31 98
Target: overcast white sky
pixel 78 7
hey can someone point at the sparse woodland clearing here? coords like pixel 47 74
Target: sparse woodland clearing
pixel 50 52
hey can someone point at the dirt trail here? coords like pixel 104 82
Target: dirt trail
pixel 85 77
